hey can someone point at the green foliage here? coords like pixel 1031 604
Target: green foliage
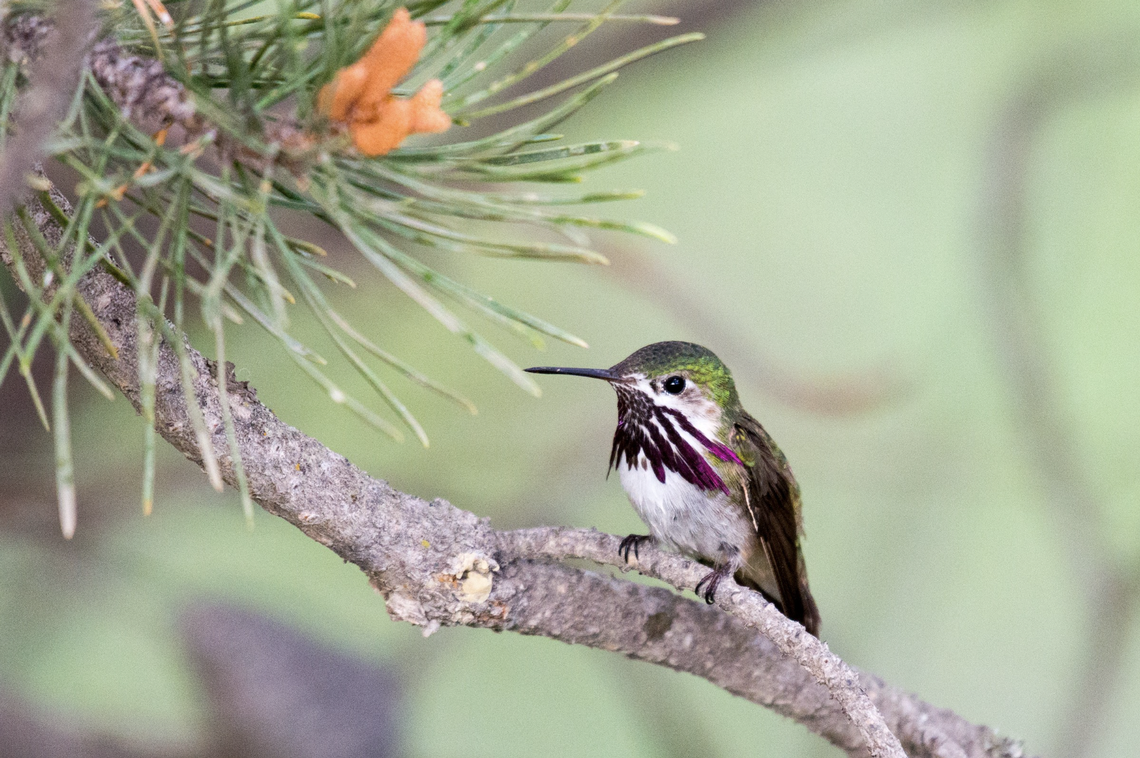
pixel 206 213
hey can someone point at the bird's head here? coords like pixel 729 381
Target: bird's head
pixel 679 375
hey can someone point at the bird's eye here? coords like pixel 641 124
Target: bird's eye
pixel 674 385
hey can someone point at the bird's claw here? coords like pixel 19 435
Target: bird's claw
pixel 710 583
pixel 632 542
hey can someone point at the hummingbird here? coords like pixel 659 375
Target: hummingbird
pixel 705 476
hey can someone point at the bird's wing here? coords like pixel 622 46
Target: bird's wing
pixel 774 502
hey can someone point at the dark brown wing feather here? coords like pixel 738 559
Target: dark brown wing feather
pixel 774 498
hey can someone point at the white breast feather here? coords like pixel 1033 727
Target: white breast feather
pixel 694 521
pixel 681 515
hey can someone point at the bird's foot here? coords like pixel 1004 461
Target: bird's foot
pixel 633 542
pixel 712 581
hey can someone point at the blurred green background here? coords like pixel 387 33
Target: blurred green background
pixel 911 228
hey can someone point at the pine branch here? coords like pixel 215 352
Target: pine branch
pixel 436 564
pixel 244 92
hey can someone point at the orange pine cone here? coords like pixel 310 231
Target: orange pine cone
pixel 392 56
pixel 360 94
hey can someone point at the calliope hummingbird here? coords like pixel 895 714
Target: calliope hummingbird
pixel 704 475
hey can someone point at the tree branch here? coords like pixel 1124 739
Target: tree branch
pixel 791 639
pixel 436 564
pixel 146 94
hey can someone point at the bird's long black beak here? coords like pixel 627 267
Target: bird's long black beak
pixel 594 373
